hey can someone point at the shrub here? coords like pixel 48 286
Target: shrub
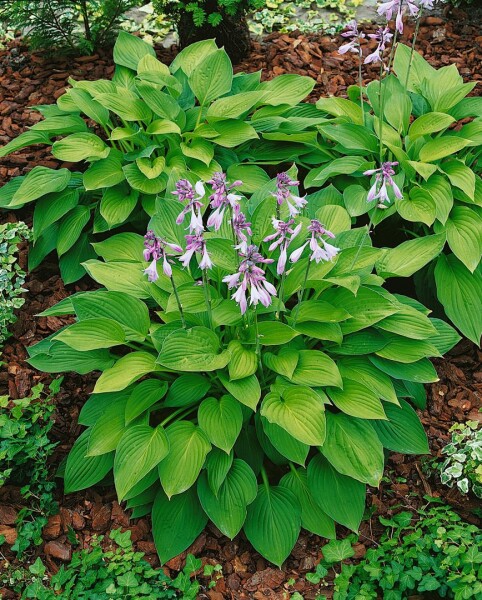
pixel 68 25
pixel 302 389
pixel 432 551
pixel 113 573
pixel 463 463
pixel 151 139
pixel 12 277
pixel 25 448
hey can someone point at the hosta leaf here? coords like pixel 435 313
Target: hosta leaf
pixel 273 523
pixel 127 369
pixel 313 518
pixel 421 371
pixel 212 78
pixel 247 390
pixel 357 400
pixel 409 257
pixel 71 227
pixel 129 49
pixel 104 173
pixel 221 420
pixel 106 432
pixel 446 336
pixel 286 89
pixel 140 449
pixel 82 471
pixel 419 207
pixel 92 334
pixel 188 449
pixel 283 363
pixel 285 443
pixel 406 350
pixel 410 323
pixel 144 395
pixel 243 361
pixel 38 182
pixel 60 358
pixel 341 497
pixel 315 368
pixel 176 523
pixel 217 466
pixel 441 147
pixel 464 235
pixel 460 176
pixel 298 410
pixel 430 123
pixel 186 390
pixel 360 369
pixel 80 146
pixel 117 204
pixel 353 448
pixel 195 349
pixel 403 431
pixel 227 509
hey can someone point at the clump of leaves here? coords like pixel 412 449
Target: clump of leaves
pixel 463 463
pixel 77 26
pixel 118 572
pixel 207 12
pixel 430 551
pixel 25 448
pixel 12 277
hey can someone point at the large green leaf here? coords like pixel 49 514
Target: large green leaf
pixel 117 204
pixel 227 508
pixel 460 293
pixel 51 208
pixel 232 107
pixel 285 443
pixel 246 390
pixel 420 206
pixel 144 395
pixel 421 371
pixel 176 523
pixel 129 49
pixel 464 235
pixel 286 89
pixel 104 173
pixel 300 411
pixel 441 191
pixel 38 182
pixel 140 449
pixel 353 448
pixel 360 369
pixel 283 363
pixel 273 523
pixel 195 349
pixel 92 334
pixel 315 368
pixel 212 78
pixel 430 123
pixel 188 449
pixel 90 107
pixel 460 176
pixel 243 361
pixel 221 420
pixel 106 432
pixel 410 323
pixel 357 400
pixel 313 518
pixel 80 146
pixel 442 147
pixel 59 358
pixel 405 350
pixel 186 390
pixel 82 471
pixel 340 497
pixel 71 227
pixel 127 369
pixel 409 257
pixel 403 431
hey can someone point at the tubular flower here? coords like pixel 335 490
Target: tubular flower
pixel 383 37
pixel 240 226
pixel 384 178
pixel 283 237
pixel 354 44
pixel 320 248
pixel 295 203
pixel 251 279
pixel 196 243
pixel 157 248
pixel 387 9
pixel 186 193
pixel 221 199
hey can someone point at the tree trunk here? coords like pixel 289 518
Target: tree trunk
pixel 232 34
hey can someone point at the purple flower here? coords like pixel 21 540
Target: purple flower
pixel 320 248
pixel 283 237
pixel 400 6
pixel 196 243
pixel 251 279
pixel 156 248
pixel 426 4
pixel 221 199
pixel 383 37
pixel 384 178
pixel 354 44
pixel 186 193
pixel 240 225
pixel 283 194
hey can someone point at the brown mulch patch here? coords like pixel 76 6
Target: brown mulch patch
pixel 27 80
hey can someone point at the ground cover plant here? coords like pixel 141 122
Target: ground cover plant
pixel 261 382
pixel 158 123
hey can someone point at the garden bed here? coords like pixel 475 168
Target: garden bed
pixel 26 80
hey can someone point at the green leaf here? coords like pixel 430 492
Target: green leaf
pixel 243 362
pixel 144 395
pixel 51 208
pixel 409 257
pixel 80 146
pixel 300 411
pixel 315 368
pixel 191 56
pixel 351 136
pixel 403 431
pixel 199 149
pixel 82 471
pixel 107 431
pixel 429 123
pixel 341 107
pixel 410 323
pixel 233 133
pixel 313 518
pixel 353 448
pixel 140 449
pixel 421 371
pixel 186 390
pixel 92 334
pixel 188 449
pixel 104 173
pixel 355 200
pixel 176 523
pixel 337 550
pixel 283 363
pixel 335 218
pixel 347 165
pixel 71 227
pixel 60 358
pixel 285 443
pixel 442 147
pixel 212 78
pixel 138 181
pixel 412 65
pixel 274 333
pixel 129 49
pixel 27 138
pixel 247 390
pixel 340 497
pixel 127 369
pixel 446 336
pixel 286 89
pixel 419 207
pixel 221 420
pixel 233 107
pixel 227 509
pixel 357 400
pixel 90 107
pixel 195 349
pixel 217 466
pixel 360 369
pixel 273 523
pixel 440 190
pixel 117 204
pixel 38 182
pixel 460 293
pixel 460 176
pixel 464 235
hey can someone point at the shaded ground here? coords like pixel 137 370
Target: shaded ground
pixel 26 80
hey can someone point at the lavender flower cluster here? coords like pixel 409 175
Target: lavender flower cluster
pixel 250 278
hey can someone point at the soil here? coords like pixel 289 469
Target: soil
pixel 30 79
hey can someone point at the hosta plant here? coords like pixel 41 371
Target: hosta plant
pixel 130 139
pixel 254 369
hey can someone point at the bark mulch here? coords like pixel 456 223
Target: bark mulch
pixel 26 80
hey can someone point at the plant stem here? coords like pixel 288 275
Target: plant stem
pixel 180 411
pixel 281 292
pixel 415 36
pixel 264 475
pixel 178 300
pixel 360 81
pixel 207 298
pixel 235 242
pixel 301 294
